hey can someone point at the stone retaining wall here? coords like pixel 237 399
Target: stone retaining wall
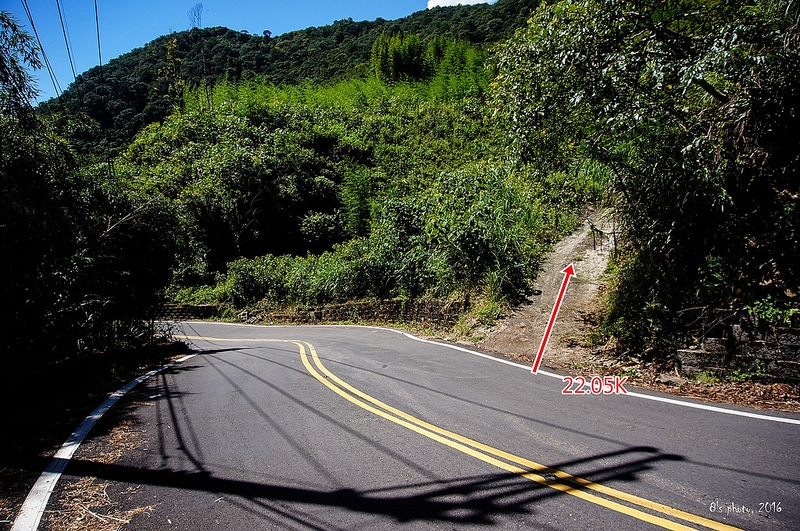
pixel 434 312
pixel 187 312
pixel 750 345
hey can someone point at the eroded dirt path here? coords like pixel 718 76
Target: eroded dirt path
pixel 518 336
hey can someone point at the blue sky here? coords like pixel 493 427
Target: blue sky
pixel 129 24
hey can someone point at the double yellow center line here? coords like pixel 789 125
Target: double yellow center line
pixel 564 482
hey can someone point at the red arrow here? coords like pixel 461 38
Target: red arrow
pixel 569 272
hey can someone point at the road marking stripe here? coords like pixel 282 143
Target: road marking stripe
pixel 633 394
pixel 455 440
pixel 32 510
pixel 521 460
pixel 486 458
pixel 463 444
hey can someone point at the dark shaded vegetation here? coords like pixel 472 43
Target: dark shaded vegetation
pixel 231 180
pixel 81 263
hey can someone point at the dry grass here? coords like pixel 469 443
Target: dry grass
pixel 85 504
pixel 46 401
pixel 123 438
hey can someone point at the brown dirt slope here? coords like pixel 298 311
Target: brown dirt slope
pixel 519 335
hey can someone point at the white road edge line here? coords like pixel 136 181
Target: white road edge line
pixel 629 393
pixel 672 401
pixel 34 506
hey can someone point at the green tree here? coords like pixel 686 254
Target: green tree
pixel 379 58
pixel 674 98
pixel 132 91
pixel 400 57
pixel 172 72
pixel 17 53
pixel 82 265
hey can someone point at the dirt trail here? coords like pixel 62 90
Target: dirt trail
pixel 518 335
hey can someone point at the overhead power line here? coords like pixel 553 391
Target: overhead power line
pixel 47 64
pixel 62 17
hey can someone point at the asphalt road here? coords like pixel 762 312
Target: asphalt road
pixel 358 428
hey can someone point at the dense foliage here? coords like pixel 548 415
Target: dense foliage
pixel 321 194
pixel 17 49
pixel 227 188
pixel 692 105
pixel 82 264
pixel 409 159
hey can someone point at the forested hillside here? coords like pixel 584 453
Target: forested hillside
pixel 106 106
pixel 437 156
pixel 318 194
pixel 267 170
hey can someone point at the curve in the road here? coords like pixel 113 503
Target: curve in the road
pixel 34 505
pixel 655 398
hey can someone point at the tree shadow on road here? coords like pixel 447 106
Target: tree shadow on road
pixel 474 500
pixel 468 500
